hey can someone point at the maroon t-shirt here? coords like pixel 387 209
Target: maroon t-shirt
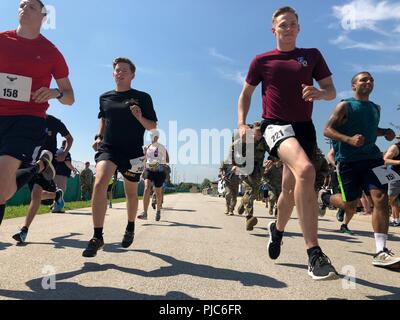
pixel 282 75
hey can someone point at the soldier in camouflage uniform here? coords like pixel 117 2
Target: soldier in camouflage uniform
pixel 86 181
pixel 232 181
pixel 321 169
pixel 273 178
pixel 252 182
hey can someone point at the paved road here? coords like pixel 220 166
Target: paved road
pixel 195 252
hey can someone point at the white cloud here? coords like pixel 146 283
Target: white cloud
pixel 365 14
pixel 235 76
pixel 384 68
pixel 214 53
pixel 345 42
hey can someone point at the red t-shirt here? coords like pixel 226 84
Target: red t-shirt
pixel 38 60
pixel 282 75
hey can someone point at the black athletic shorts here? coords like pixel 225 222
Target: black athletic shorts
pixel 356 177
pixel 46 185
pixel 108 153
pixel 157 177
pixel 305 135
pixel 21 137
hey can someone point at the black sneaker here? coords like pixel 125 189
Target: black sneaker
pixel 345 229
pixel 128 239
pixel 340 215
pixel 251 222
pixel 158 216
pixel 153 205
pixel 275 242
pixel 241 210
pixel 320 267
pixel 92 248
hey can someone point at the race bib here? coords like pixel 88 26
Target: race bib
pixel 14 87
pixel 275 134
pixel 386 175
pixel 137 165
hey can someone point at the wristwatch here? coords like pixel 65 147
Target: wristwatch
pixel 60 94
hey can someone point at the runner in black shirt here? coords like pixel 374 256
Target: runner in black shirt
pixel 124 116
pixel 41 188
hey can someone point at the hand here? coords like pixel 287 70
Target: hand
pixel 390 135
pixel 61 157
pixel 311 94
pixel 96 145
pixel 243 130
pixel 268 165
pixel 75 171
pixel 357 141
pixel 137 112
pixel 43 95
pixel 234 168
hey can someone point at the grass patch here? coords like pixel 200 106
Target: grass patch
pixel 20 211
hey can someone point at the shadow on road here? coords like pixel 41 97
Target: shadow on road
pixel 177 267
pixel 75 291
pixel 185 225
pixel 394 291
pixel 338 237
pixel 4 246
pixel 178 210
pixel 366 234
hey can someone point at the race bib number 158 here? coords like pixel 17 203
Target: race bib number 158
pixel 15 87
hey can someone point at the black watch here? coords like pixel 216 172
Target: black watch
pixel 97 136
pixel 60 94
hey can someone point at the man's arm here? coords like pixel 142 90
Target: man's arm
pixel 389 134
pixel 44 94
pixel 392 153
pixel 100 134
pixel 70 166
pixel 338 118
pixel 61 157
pixel 331 157
pixel 244 107
pixel 146 123
pixel 326 92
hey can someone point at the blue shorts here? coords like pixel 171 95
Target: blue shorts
pixel 356 177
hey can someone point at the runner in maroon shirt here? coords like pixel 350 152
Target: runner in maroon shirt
pixel 28 62
pixel 287 75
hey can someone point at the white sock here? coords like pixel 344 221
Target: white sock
pixel 396 220
pixel 380 241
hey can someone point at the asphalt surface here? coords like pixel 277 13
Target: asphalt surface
pixel 195 252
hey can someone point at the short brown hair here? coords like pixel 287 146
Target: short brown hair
pixel 124 60
pixel 355 78
pixel 282 11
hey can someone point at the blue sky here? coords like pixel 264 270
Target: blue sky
pixel 192 57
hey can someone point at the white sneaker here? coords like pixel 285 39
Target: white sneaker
pixel 143 216
pixel 386 259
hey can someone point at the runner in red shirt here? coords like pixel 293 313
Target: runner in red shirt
pixel 287 75
pixel 28 62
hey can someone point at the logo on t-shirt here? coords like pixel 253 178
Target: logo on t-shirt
pixel 302 61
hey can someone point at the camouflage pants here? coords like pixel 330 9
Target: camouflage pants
pixel 252 185
pixel 274 194
pixel 232 190
pixel 86 192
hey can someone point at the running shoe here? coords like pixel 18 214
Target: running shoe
pixel 251 222
pixel 92 248
pixel 241 210
pixel 128 239
pixel 320 267
pixel 143 216
pixel 275 241
pixel 322 205
pixel 59 200
pixel 395 224
pixel 21 236
pixel 340 215
pixel 49 172
pixel 345 229
pixel 158 216
pixel 386 259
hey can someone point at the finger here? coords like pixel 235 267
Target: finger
pixel 37 93
pixel 43 97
